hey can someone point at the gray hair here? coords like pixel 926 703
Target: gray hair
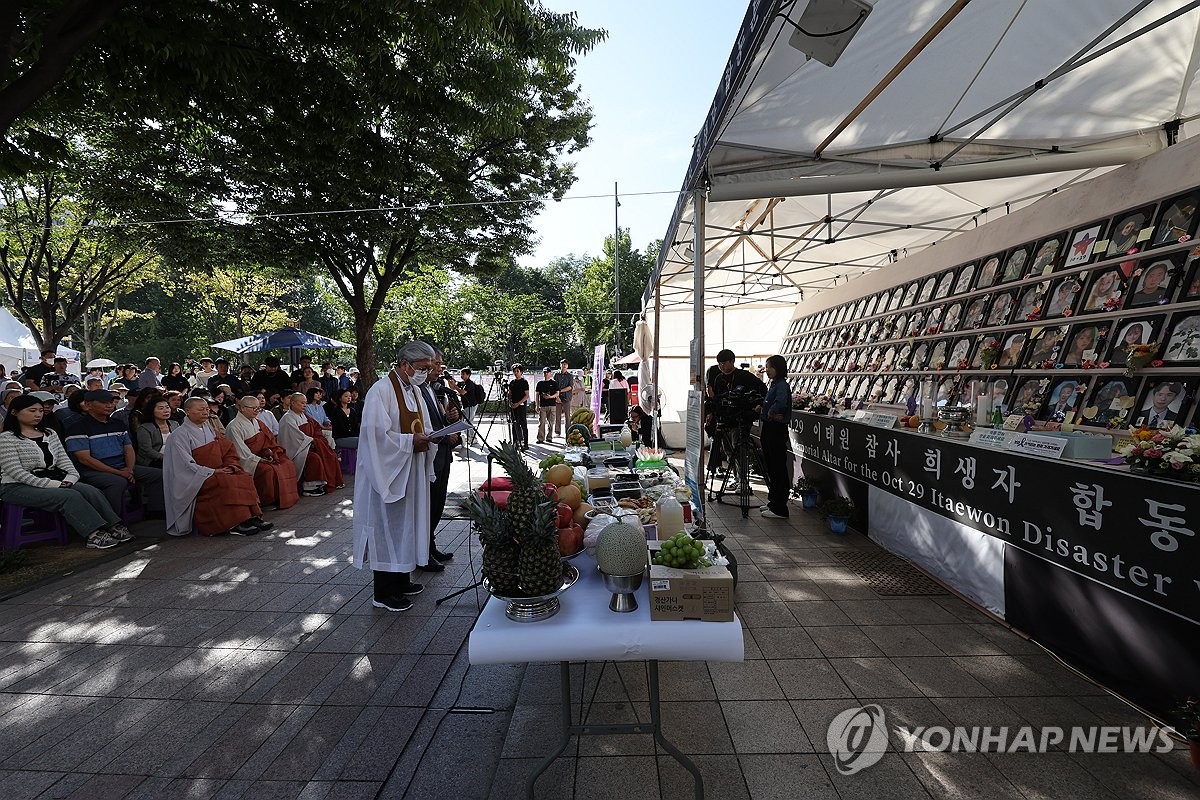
pixel 415 351
pixel 191 401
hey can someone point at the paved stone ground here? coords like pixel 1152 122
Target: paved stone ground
pixel 257 668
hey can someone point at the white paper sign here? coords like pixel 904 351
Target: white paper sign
pixel 881 420
pixel 990 437
pixel 1034 445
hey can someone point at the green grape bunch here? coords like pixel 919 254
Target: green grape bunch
pixel 682 552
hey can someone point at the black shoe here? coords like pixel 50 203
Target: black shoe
pixel 412 589
pixel 440 556
pixel 247 528
pixel 260 523
pixel 433 566
pixel 393 603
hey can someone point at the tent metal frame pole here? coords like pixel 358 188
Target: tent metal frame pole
pixel 655 410
pixel 698 274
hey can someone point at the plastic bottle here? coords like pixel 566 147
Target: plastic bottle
pixel 997 418
pixel 670 517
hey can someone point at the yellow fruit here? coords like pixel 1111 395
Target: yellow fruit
pixel 570 495
pixel 560 474
pixel 579 517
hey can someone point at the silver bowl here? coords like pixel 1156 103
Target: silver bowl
pixel 532 609
pixel 623 587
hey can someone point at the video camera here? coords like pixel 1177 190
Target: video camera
pixel 738 406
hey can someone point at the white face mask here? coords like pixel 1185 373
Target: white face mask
pixel 419 376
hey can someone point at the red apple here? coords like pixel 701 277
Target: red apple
pixel 565 515
pixel 570 540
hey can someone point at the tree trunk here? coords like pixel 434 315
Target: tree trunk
pixel 364 340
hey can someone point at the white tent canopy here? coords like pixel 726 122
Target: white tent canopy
pixel 19 349
pixel 938 117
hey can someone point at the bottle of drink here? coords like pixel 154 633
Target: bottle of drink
pixel 670 517
pixel 997 418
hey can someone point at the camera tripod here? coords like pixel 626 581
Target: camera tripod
pixel 743 455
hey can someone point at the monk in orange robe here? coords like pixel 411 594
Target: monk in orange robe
pixel 304 438
pixel 262 456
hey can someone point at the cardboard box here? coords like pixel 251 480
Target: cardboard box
pixel 678 594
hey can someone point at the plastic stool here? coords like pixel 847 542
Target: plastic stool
pixel 348 458
pixel 45 525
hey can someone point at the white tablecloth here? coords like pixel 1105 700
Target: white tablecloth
pixel 585 630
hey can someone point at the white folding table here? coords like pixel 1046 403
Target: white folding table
pixel 585 630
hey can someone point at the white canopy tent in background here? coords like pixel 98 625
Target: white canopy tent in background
pixel 938 117
pixel 19 349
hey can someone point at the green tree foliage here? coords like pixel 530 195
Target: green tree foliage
pixel 591 302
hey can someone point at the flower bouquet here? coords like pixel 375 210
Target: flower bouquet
pixel 1170 453
pixel 989 354
pixel 1139 356
pixel 821 405
pixel 801 400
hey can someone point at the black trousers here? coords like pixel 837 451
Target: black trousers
pixel 520 427
pixel 775 452
pixel 389 584
pixel 437 497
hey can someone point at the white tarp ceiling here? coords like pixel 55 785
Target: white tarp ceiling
pixel 992 103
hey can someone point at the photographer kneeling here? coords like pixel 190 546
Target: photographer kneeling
pixel 776 413
pixel 39 474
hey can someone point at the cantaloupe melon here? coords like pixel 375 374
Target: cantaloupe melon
pixel 570 495
pixel 560 475
pixel 579 515
pixel 621 549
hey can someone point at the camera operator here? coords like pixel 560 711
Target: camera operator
pixel 723 379
pixel 776 412
pixel 471 394
pixel 518 399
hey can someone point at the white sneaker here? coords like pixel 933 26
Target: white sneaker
pixel 101 540
pixel 769 514
pixel 120 532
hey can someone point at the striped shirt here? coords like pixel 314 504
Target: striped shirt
pixel 106 441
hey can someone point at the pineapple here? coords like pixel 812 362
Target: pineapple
pixel 539 566
pixel 499 549
pixel 527 490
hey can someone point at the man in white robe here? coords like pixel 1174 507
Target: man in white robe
pixel 392 482
pixel 204 487
pixel 267 418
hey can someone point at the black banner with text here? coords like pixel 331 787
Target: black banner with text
pixel 1134 535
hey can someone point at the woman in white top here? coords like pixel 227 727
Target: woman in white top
pixel 36 472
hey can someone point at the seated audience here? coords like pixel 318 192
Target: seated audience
pixel 49 420
pixel 103 451
pixel 206 488
pixel 308 381
pixel 316 462
pixel 175 380
pixel 72 412
pixel 204 374
pixel 262 456
pixel 38 473
pixel 271 378
pixel 214 416
pixel 58 376
pixel 344 418
pixel 32 378
pixel 129 377
pixel 176 401
pixel 153 431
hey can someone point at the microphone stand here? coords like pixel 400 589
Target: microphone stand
pixel 491 454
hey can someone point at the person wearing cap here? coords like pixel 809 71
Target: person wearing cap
pixel 151 376
pixel 262 456
pixel 352 380
pixel 316 462
pixel 566 387
pixel 207 370
pixel 103 451
pixel 272 378
pixel 38 473
pixel 547 401
pixel 206 488
pixel 518 405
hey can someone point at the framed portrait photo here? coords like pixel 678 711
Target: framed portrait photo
pixel 1028 396
pixel 1105 292
pixel 1086 342
pixel 1176 219
pixel 1183 342
pixel 910 294
pixel 937 356
pixel 920 355
pixel 927 287
pixel 1011 349
pixel 1154 279
pixel 1083 244
pixel 960 353
pixel 1063 297
pixel 984 342
pixel 916 324
pixel 973 316
pixel 1165 401
pixel 945 284
pixel 1015 262
pixel 1111 403
pixel 1064 400
pixel 1001 308
pixel 935 319
pixel 999 389
pixel 952 317
pixel 1130 231
pixel 1046 254
pixel 1045 345
pixel 963 283
pixel 890 389
pixel 1031 303
pixel 989 271
pixel 1191 281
